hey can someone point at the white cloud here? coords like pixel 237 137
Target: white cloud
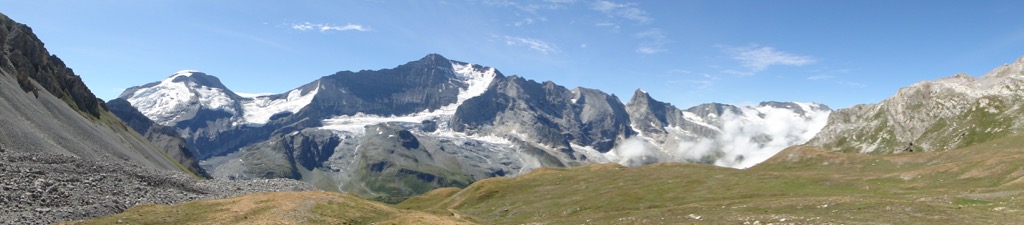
pixel 627 11
pixel 613 26
pixel 647 50
pixel 531 7
pixel 706 81
pixel 821 77
pixel 760 58
pixel 525 21
pixel 534 44
pixel 322 27
pixel 829 75
pixel 653 41
pixel 780 127
pixel 682 71
pixel 739 73
pixel 746 138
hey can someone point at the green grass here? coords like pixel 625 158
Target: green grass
pixel 800 185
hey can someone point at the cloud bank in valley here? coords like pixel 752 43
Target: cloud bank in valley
pixel 743 139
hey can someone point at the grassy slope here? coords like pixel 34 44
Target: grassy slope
pixel 976 185
pixel 982 184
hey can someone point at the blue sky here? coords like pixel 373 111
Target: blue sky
pixel 839 53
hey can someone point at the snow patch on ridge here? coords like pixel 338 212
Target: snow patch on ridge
pixel 253 95
pixel 185 73
pixel 689 116
pixel 258 110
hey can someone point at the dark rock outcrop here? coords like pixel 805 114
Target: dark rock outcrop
pixel 25 57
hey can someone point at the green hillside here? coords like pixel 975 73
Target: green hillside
pixel 975 185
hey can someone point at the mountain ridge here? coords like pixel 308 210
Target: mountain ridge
pixel 467 122
pixel 938 115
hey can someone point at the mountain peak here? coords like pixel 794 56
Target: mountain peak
pixel 434 59
pixel 197 78
pixel 186 73
pixel 641 93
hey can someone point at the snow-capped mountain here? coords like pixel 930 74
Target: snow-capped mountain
pixel 433 122
pixel 182 95
pixel 938 115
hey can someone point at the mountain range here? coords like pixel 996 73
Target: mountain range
pixel 975 178
pixel 436 122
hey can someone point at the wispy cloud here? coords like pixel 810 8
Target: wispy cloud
pixel 821 77
pixel 623 17
pixel 534 44
pixel 756 59
pixel 647 50
pixel 627 11
pixel 613 26
pixel 532 7
pixel 323 27
pixel 531 12
pixel 705 81
pixel 837 76
pixel 761 58
pixel 653 41
pixel 676 77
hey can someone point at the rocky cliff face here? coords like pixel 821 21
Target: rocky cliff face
pixel 45 108
pixel 938 115
pixel 545 113
pixel 426 84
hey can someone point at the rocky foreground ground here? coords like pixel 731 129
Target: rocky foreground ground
pixel 49 188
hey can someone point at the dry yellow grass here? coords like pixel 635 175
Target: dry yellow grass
pixel 276 208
